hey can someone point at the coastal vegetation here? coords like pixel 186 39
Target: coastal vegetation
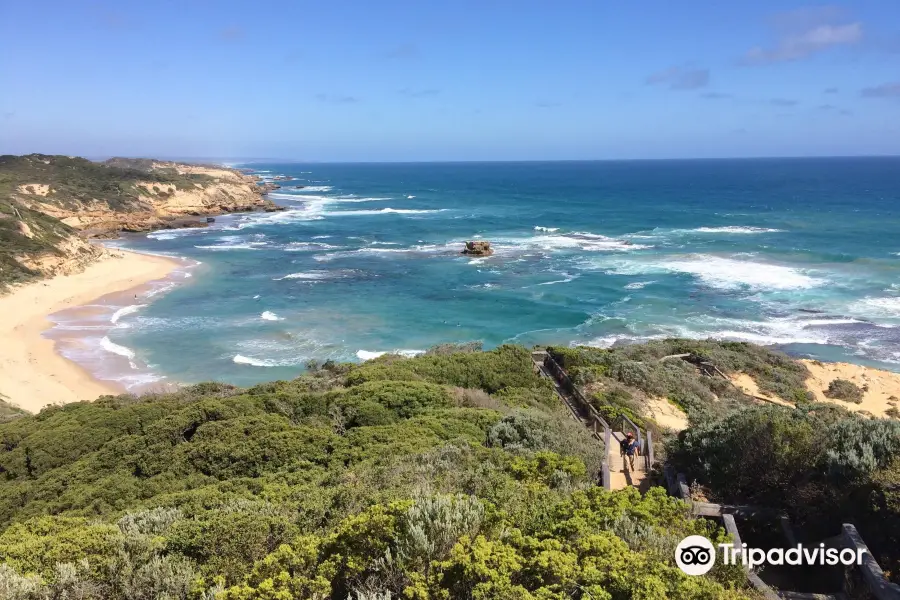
pixel 456 474
pixel 449 475
pixel 819 463
pixel 72 181
pixel 25 235
pixel 620 380
pixel 842 389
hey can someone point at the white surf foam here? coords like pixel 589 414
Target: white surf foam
pixel 637 285
pixel 309 246
pixel 177 233
pixel 546 229
pixel 567 279
pixel 877 307
pixel 127 310
pixel 255 362
pixel 309 276
pixel 725 273
pixel 588 242
pixel 383 211
pixel 410 197
pixel 732 229
pixel 368 355
pixel 728 273
pixel 247 246
pixel 110 346
pixel 270 316
pixel 353 199
pixel 378 251
pixel 315 188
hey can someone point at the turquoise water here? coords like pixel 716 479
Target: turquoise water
pixel 798 253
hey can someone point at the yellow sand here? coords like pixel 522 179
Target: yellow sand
pixel 747 385
pixel 32 374
pixel 882 385
pixel 667 414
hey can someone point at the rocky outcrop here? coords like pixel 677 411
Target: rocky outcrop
pixel 478 248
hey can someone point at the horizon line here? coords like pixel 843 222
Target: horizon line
pixel 282 160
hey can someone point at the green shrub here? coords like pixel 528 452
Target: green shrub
pixel 843 389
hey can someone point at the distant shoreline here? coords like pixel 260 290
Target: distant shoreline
pixel 32 372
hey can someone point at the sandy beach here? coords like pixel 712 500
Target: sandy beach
pixel 32 373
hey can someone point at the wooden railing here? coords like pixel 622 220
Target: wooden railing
pixel 593 419
pixel 873 577
pixel 596 421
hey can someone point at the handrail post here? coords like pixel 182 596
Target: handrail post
pixel 649 454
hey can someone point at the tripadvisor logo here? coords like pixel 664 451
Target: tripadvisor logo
pixel 696 555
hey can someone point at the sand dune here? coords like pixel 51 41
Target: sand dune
pixel 877 400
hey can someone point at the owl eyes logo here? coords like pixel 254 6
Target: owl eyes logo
pixel 695 555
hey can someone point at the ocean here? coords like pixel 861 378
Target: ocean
pixel 803 254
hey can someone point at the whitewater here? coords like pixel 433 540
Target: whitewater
pixel 800 254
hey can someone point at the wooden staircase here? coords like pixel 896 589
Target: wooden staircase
pixel 616 472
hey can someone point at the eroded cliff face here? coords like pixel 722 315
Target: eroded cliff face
pixel 71 255
pixel 147 205
pixel 36 245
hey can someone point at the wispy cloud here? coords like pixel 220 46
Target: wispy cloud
pixel 831 90
pixel 716 96
pixel 231 34
pixel 783 102
pixel 9 115
pixel 336 99
pixel 802 33
pixel 885 90
pixel 403 51
pixel 680 78
pixel 830 108
pixel 414 93
pixel 545 104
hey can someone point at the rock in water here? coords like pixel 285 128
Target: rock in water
pixel 479 248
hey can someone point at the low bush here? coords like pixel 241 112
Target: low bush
pixel 843 389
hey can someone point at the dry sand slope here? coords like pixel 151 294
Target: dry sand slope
pixel 883 386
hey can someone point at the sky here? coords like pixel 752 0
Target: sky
pixel 419 80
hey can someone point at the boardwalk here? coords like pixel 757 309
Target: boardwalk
pixel 617 474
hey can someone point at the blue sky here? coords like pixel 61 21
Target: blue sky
pixel 455 80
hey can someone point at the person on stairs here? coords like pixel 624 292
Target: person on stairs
pixel 629 447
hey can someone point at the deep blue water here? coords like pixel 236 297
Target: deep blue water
pixel 799 253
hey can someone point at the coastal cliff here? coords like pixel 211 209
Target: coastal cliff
pixel 51 205
pixel 123 194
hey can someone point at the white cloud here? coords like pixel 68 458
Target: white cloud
pixel 804 33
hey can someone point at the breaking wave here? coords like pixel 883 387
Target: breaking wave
pixel 725 273
pixel 254 362
pixel 367 355
pixel 127 310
